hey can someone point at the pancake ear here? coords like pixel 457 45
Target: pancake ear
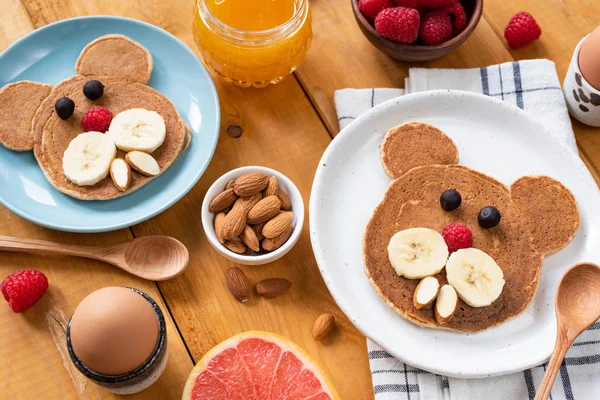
pixel 550 211
pixel 18 103
pixel 415 144
pixel 116 56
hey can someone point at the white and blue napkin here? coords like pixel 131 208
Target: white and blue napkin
pixel 533 86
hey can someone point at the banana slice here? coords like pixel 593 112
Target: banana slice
pixel 477 278
pixel 86 161
pixel 138 129
pixel 418 252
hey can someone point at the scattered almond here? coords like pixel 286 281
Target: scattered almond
pixel 286 204
pixel 120 172
pixel 219 218
pixel 264 210
pixel 237 284
pixel 235 245
pixel 272 187
pixel 278 225
pixel 272 287
pixel 277 242
pixel 258 230
pixel 229 184
pixel 143 163
pixel 234 221
pixel 446 304
pixel 249 238
pixel 250 184
pixel 222 201
pixel 323 325
pixel 426 292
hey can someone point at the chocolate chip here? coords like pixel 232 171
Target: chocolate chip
pixel 578 78
pixel 583 108
pixel 575 95
pixel 583 96
pixel 595 99
pixel 234 130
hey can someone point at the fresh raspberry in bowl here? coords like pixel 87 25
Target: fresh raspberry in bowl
pixel 443 25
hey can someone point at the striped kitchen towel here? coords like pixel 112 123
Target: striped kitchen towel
pixel 532 85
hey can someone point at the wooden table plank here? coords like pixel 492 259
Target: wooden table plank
pixel 35 363
pixel 280 130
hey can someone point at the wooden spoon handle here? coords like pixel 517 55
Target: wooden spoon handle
pixel 40 246
pixel 558 355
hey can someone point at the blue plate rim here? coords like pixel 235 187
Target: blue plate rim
pixel 178 196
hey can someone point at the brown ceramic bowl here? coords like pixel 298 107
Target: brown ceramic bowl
pixel 418 51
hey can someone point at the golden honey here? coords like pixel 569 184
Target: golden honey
pixel 252 42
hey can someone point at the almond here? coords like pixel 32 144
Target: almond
pixel 264 210
pixel 249 238
pixel 275 243
pixel 120 172
pixel 235 245
pixel 237 284
pixel 250 184
pixel 219 218
pixel 426 292
pixel 272 187
pixel 222 201
pixel 272 287
pixel 249 202
pixel 323 325
pixel 258 230
pixel 286 204
pixel 229 184
pixel 278 225
pixel 234 221
pixel 446 304
pixel 143 163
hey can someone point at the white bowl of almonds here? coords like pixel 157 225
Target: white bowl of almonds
pixel 253 215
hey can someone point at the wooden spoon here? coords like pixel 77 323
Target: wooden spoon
pixel 577 307
pixel 156 258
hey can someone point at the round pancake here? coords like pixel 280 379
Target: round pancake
pixel 18 104
pixel 413 201
pixel 52 135
pixel 414 144
pixel 118 56
pixel 550 210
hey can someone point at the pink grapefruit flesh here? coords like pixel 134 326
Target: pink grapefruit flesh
pixel 257 366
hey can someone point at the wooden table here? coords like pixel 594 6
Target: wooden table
pixel 286 127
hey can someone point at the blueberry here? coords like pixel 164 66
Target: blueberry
pixel 450 200
pixel 64 107
pixel 93 90
pixel 489 217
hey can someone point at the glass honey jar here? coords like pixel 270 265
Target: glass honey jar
pixel 252 42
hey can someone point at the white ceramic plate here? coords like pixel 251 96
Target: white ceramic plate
pixel 493 137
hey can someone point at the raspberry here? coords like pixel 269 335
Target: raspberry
pixel 459 17
pixel 436 28
pixel 23 288
pixel 522 30
pixel 371 8
pixel 457 236
pixel 437 3
pixel 96 119
pixel 400 24
pixel 407 3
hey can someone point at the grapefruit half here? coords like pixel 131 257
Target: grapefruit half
pixel 257 366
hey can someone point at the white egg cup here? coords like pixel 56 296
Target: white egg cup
pixel 583 100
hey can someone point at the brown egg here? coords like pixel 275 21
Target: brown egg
pixel 589 59
pixel 114 330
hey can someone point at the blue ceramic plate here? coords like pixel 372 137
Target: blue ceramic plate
pixel 48 55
